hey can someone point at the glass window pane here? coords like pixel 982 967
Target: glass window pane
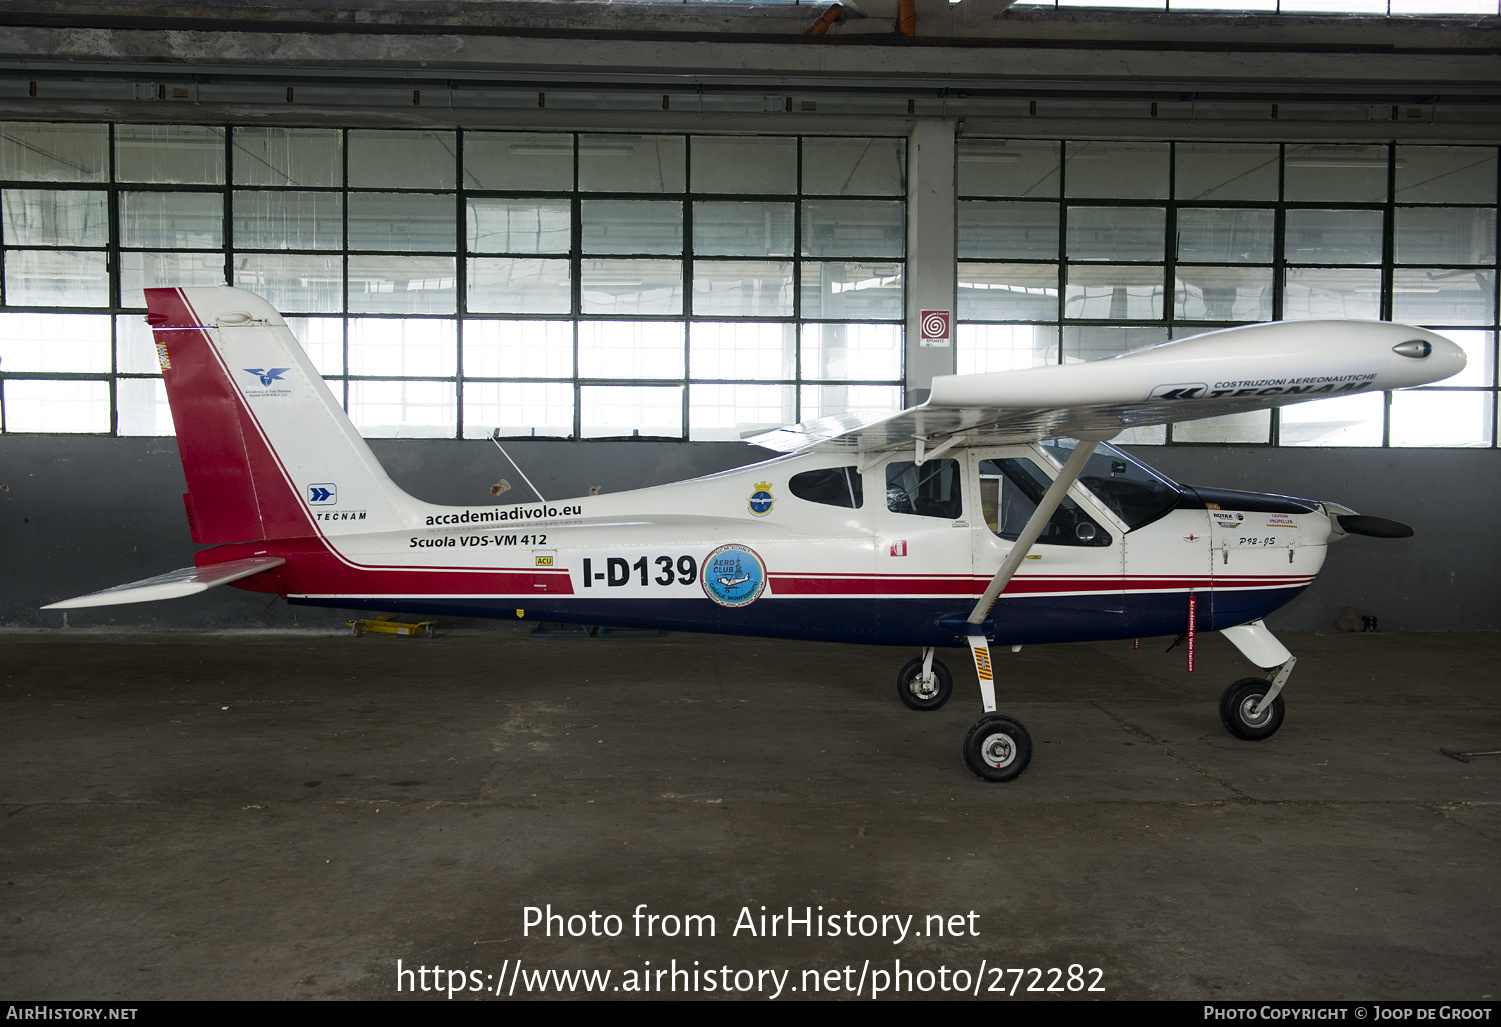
pixel 175 154
pixel 742 350
pixel 172 220
pixel 401 285
pixel 1343 174
pixel 854 352
pixel 56 406
pixel 1008 167
pixel 1480 357
pixel 135 346
pixel 519 285
pixel 1008 292
pixel 56 278
pixel 1113 292
pixel 322 338
pixel 404 410
pixel 497 225
pixel 1448 418
pixel 985 348
pixel 55 217
pixel 1083 343
pixel 56 342
pixel 1225 236
pixel 852 290
pixel 401 221
pixel 288 156
pixel 143 407
pixel 1446 174
pixel 382 159
pixel 1007 230
pixel 854 167
pixel 1226 171
pixel 1432 296
pixel 1442 7
pixel 827 400
pixel 631 286
pixel 518 161
pixel 288 220
pixel 1332 292
pixel 723 413
pixel 744 164
pixel 1116 170
pixel 1334 6
pixel 1116 233
pixel 853 228
pixel 1333 237
pixel 630 349
pixel 743 229
pixel 41 152
pixel 518 408
pixel 140 271
pixel 632 164
pixel 1223 294
pixel 411 347
pixel 631 226
pixel 1446 235
pixel 742 288
pixel 293 281
pixel 1346 421
pixel 519 349
pixel 1251 426
pixel 652 410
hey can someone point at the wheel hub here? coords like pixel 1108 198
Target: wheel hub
pixel 998 750
pixel 1248 712
pixel 923 688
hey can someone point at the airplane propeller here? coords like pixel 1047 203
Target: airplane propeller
pixel 1374 527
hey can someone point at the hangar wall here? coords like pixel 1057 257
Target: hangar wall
pixel 83 513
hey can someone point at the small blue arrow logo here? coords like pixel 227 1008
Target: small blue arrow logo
pixel 268 375
pixel 322 495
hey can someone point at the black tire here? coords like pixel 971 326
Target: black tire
pixel 909 687
pixel 997 748
pixel 1236 705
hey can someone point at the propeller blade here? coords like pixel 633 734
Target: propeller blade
pixel 1375 527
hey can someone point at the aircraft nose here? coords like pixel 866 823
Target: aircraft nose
pixel 1439 356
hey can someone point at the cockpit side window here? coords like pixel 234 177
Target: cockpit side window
pixel 932 490
pixel 831 486
pixel 1129 489
pixel 1009 493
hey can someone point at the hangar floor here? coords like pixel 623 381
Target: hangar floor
pixel 287 815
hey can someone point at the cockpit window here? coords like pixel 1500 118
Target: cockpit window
pixel 831 486
pixel 1009 493
pixel 932 490
pixel 1131 490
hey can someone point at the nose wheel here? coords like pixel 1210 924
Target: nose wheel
pixel 1246 714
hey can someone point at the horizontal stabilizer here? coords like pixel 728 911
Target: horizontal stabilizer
pixel 183 582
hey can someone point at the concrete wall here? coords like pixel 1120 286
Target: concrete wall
pixel 81 513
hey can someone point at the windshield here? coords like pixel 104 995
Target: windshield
pixel 1133 491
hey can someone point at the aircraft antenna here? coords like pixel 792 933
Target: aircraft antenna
pixel 518 468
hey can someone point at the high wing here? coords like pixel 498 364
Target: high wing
pixel 1229 371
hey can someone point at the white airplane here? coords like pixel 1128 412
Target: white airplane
pixel 992 514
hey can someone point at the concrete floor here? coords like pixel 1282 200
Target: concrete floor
pixel 286 815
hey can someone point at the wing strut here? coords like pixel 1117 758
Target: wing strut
pixel 1039 519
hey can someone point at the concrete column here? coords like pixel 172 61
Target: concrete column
pixel 931 252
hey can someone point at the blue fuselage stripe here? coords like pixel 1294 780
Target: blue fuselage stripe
pixel 905 622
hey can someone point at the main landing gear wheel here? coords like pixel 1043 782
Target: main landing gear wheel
pixel 997 748
pixel 1237 708
pixel 920 696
